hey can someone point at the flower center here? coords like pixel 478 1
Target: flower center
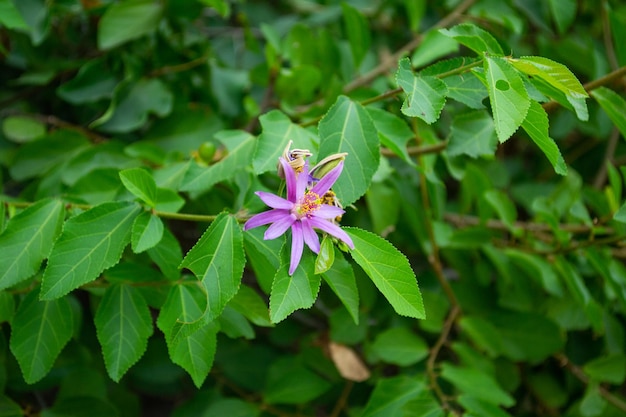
pixel 309 203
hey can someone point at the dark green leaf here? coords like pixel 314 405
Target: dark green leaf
pixel 614 105
pixel 340 278
pixel 126 21
pixel 472 134
pixel 358 32
pixel 27 241
pixel 288 382
pixel 399 346
pixel 611 368
pixel 476 383
pixel 263 255
pixel 141 184
pixel 90 243
pixel 536 125
pixel 147 232
pixel 391 394
pixel 167 254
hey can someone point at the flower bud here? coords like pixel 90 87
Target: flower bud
pixel 324 166
pixel 294 157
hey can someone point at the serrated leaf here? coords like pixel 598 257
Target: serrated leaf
pixel 554 73
pixel 536 125
pixel 39 331
pixel 90 243
pixel 425 94
pixel 475 38
pixel 290 293
pixel 476 383
pixel 358 32
pixel 347 127
pixel 141 184
pixel 390 396
pixel 277 131
pixel 390 271
pixel 240 147
pixel 472 134
pixel 508 96
pixel 123 324
pixel 466 89
pixel 129 20
pixel 147 232
pixel 340 278
pixel 217 260
pixel 193 352
pixel 614 105
pixel 28 239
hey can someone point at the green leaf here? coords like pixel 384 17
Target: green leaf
pixel 554 73
pixel 124 324
pixel 249 303
pixel 466 89
pixel 21 129
pixel 472 134
pixel 592 404
pixel 390 396
pixel 480 408
pixel 393 132
pixel 168 200
pixel 290 293
pixel 81 406
pixel 347 127
pixel 508 96
pixel 340 278
pixel 36 17
pixel 399 346
pixel 483 334
pixel 10 17
pixel 90 243
pixel 425 94
pixel 614 105
pixel 8 408
pixel 93 82
pixel 538 268
pixel 503 206
pixel 389 270
pixel 28 239
pixel 217 259
pixel 141 184
pixel 194 352
pixel 240 146
pixel 126 21
pixel 147 232
pixel 39 331
pixel 288 382
pixel 232 407
pixel 263 255
pixel 221 6
pixel 167 254
pixel 358 32
pixel 434 45
pixel 475 38
pixel 326 256
pixel 611 368
pixel 536 125
pixel 7 306
pixel 476 383
pixel 563 13
pixel 277 131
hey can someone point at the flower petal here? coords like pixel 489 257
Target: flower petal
pixel 326 211
pixel 266 217
pixel 274 201
pixel 310 237
pixel 302 181
pixel 328 180
pixel 332 229
pixel 279 226
pixel 297 244
pixel 290 179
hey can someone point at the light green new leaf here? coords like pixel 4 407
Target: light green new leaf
pixel 473 134
pixel 476 383
pixel 28 239
pixel 554 73
pixel 39 331
pixel 90 243
pixel 390 396
pixel 426 95
pixel 127 20
pixel 217 259
pixel 240 146
pixel 399 346
pixel 326 256
pixel 147 232
pixel 536 125
pixel 507 94
pixel 139 182
pixel 340 278
pixel 22 129
pixel 290 293
pixel 278 130
pixel 347 127
pixel 390 271
pixel 10 16
pixel 123 324
pixel 358 32
pixel 475 38
pixel 194 352
pixel 614 105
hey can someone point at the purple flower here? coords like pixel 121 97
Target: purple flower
pixel 303 211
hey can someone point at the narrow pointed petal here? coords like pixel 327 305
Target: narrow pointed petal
pixel 310 237
pixel 332 229
pixel 302 181
pixel 274 201
pixel 329 179
pixel 279 227
pixel 266 217
pixel 297 245
pixel 290 179
pixel 326 211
